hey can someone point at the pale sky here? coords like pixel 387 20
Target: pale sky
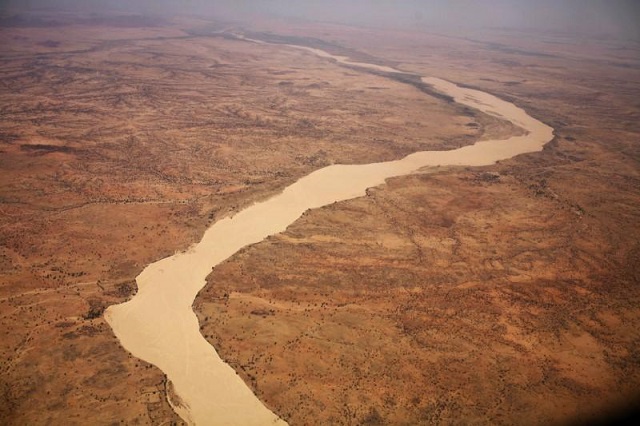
pixel 621 17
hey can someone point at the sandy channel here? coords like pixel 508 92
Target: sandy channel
pixel 158 324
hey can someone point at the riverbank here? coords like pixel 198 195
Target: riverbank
pixel 208 388
pixel 499 295
pixel 112 128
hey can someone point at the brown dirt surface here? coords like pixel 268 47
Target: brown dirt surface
pixel 120 142
pixel 501 295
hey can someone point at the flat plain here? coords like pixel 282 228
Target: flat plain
pixel 495 295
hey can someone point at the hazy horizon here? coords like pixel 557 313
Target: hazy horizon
pixel 616 17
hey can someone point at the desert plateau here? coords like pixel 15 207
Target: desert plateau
pixel 504 291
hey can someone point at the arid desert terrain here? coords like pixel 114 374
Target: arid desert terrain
pixel 487 295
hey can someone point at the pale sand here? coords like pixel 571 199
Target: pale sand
pixel 158 324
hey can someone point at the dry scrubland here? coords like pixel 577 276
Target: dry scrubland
pixel 120 141
pixel 503 294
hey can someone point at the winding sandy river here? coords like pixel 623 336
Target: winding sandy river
pixel 158 324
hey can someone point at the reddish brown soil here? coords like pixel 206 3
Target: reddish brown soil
pixel 501 295
pixel 119 145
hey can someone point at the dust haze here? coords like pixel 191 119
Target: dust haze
pixel 618 17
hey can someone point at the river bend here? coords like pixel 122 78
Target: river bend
pixel 158 324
